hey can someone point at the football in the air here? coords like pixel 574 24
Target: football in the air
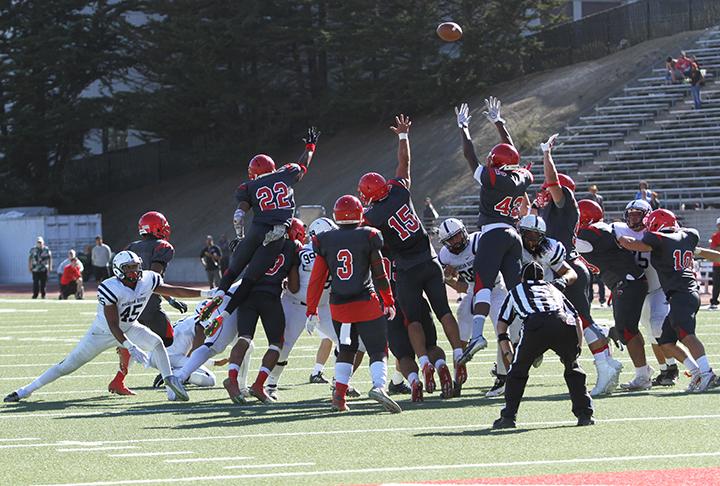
pixel 449 31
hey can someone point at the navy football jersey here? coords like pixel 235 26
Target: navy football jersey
pixel 501 193
pixel 405 237
pixel 614 262
pixel 271 196
pixel 562 222
pixel 272 281
pixel 347 254
pixel 673 258
pixel 151 251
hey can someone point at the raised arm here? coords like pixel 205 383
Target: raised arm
pixel 630 243
pixel 707 254
pixel 550 171
pixel 492 113
pixel 306 157
pixel 402 130
pixel 175 291
pixel 463 116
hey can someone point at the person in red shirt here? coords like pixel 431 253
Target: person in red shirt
pixel 71 278
pixel 715 245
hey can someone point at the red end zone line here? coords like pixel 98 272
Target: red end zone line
pixel 656 477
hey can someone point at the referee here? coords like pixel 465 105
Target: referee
pixel 549 322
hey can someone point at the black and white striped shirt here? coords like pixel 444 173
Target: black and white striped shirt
pixel 533 297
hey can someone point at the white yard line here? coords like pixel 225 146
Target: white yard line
pixel 152 454
pixel 96 449
pixel 427 467
pixel 260 466
pixel 206 459
pixel 19 439
pixel 74 376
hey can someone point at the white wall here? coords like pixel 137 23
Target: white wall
pixel 186 270
pixel 17 236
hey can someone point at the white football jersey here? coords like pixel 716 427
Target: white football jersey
pixel 641 257
pixel 130 302
pixel 307 260
pixel 551 257
pixel 184 332
pixel 464 261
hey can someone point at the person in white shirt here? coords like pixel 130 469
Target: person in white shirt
pixel 100 259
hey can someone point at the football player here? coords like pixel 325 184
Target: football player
pixel 390 209
pixel 458 257
pixel 349 255
pixel 264 303
pixel 269 193
pixel 655 306
pixel 621 273
pixel 156 253
pixel 503 186
pixel 557 205
pixel 672 254
pixel 121 300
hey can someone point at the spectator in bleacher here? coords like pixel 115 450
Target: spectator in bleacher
pixel 224 245
pixel 210 257
pixel 684 64
pixel 715 245
pixel 71 282
pixel 672 73
pixel 429 215
pixel 654 201
pixel 696 82
pixel 643 191
pixel 39 264
pixel 594 195
pixel 101 254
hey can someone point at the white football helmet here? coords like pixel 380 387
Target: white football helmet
pixel 532 222
pixel 321 225
pixel 634 220
pixel 449 229
pixel 127 265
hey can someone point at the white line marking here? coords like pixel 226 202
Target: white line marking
pixel 9 311
pixel 76 376
pixel 430 467
pixel 260 466
pixel 19 439
pixel 207 459
pixel 21 365
pixel 152 454
pixel 94 449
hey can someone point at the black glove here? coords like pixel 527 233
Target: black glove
pixel 312 136
pixel 179 305
pixel 233 244
pixel 158 382
pixel 614 335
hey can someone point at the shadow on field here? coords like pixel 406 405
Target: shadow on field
pixel 489 431
pixel 33 405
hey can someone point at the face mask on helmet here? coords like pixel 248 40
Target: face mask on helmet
pixel 457 242
pixel 132 272
pixel 532 240
pixel 634 219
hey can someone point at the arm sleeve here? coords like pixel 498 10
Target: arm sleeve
pixel 376 240
pixel 293 172
pixel 157 279
pixel 318 277
pixel 557 256
pixel 242 194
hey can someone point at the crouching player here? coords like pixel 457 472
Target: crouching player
pixel 349 255
pixel 121 299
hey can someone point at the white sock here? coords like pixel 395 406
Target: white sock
pixel 397 378
pixel 663 366
pixel 423 360
pixel 274 375
pixel 642 371
pixel 378 372
pixel 603 355
pixel 691 365
pixel 439 363
pixel 343 371
pixel 589 335
pixel 196 359
pixel 319 367
pixel 478 325
pixel 670 361
pixel 50 375
pixel 703 364
pixel 245 366
pixel 457 352
pixel 233 366
pixel 413 377
pixel 159 360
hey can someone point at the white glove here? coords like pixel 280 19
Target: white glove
pixel 390 312
pixel 136 353
pixel 492 110
pixel 311 323
pixel 463 115
pixel 217 293
pixel 547 146
pixel 239 223
pixel 277 232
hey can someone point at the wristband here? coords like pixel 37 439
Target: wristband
pixel 310 147
pixel 503 336
pixel 206 294
pixel 403 136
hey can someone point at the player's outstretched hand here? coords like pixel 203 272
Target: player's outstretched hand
pixel 492 110
pixel 311 323
pixel 139 355
pixel 402 124
pixel 547 146
pixel 312 136
pixel 390 312
pixel 463 115
pixel 179 305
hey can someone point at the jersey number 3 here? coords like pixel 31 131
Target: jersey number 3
pixel 277 198
pixel 404 222
pixel 509 206
pixel 345 264
pixel 683 261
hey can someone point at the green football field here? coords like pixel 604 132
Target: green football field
pixel 73 431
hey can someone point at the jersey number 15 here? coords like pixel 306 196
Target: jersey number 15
pixel 404 222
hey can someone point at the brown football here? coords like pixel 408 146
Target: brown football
pixel 449 31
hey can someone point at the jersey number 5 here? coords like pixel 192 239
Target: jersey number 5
pixel 404 222
pixel 345 267
pixel 277 198
pixel 683 261
pixel 509 206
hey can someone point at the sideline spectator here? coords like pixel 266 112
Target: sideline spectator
pixel 71 282
pixel 224 245
pixel 210 257
pixel 429 215
pixel 39 264
pixel 594 195
pixel 101 256
pixel 85 258
pixel 696 82
pixel 715 245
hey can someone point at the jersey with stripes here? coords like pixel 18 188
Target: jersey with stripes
pixel 641 257
pixel 550 253
pixel 598 245
pixel 535 296
pixel 130 302
pixel 307 261
pixel 463 261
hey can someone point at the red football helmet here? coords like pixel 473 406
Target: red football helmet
pixel 372 187
pixel 590 212
pixel 348 210
pixel 297 230
pixel 503 154
pixel 154 223
pixel 260 165
pixel 660 219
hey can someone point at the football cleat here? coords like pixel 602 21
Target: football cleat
pixel 473 347
pixel 428 372
pixel 174 384
pixel 233 389
pixel 352 392
pixel 638 383
pixel 503 423
pixel 12 397
pixel 259 393
pixel 339 404
pixel 158 382
pixel 457 390
pixel 605 376
pixel 214 326
pixel 117 386
pixel 460 373
pixel 667 377
pixel 707 380
pixel 417 391
pixel 318 378
pixel 380 396
pixel 498 389
pixel 399 389
pixel 538 361
pixel 446 382
pixel 208 309
pixel 272 392
pixel 695 378
pixel 585 420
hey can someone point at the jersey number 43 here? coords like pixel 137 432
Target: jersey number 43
pixel 509 206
